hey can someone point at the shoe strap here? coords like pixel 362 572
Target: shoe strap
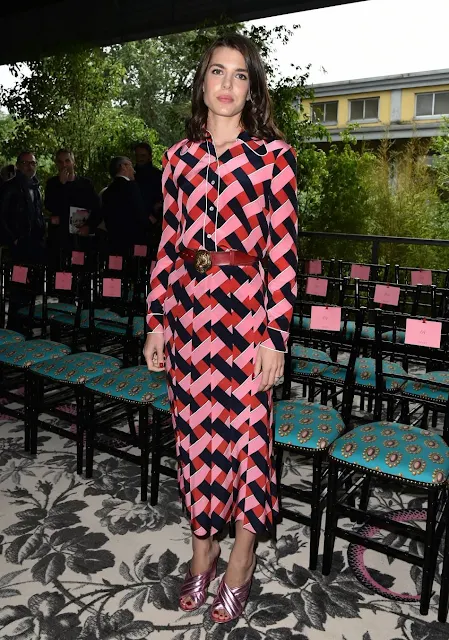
pixel 195 586
pixel 232 600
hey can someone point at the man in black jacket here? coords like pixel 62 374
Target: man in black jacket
pixel 22 225
pixel 149 179
pixel 123 209
pixel 65 195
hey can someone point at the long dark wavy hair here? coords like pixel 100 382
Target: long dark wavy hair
pixel 257 114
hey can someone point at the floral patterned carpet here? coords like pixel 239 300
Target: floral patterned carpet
pixel 86 560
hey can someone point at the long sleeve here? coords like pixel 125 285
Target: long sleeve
pixel 167 252
pixel 282 252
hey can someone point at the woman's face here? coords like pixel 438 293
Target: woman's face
pixel 226 82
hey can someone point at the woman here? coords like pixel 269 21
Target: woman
pixel 229 204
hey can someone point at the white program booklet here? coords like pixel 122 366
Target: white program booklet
pixel 78 218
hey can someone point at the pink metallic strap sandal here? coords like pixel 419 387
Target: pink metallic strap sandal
pixel 195 587
pixel 232 601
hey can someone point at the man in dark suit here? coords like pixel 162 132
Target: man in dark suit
pixel 68 191
pixel 149 179
pixel 123 208
pixel 22 225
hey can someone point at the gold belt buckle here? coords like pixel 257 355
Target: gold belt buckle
pixel 203 261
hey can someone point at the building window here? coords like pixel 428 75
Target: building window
pixel 432 104
pixel 366 109
pixel 325 112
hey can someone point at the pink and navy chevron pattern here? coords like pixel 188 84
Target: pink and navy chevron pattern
pixel 214 323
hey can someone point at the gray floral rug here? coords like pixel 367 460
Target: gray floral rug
pixel 86 560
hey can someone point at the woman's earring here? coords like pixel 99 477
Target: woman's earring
pixel 248 98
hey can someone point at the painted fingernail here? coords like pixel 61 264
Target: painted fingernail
pixel 161 365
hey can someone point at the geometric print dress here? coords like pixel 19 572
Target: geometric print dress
pixel 214 323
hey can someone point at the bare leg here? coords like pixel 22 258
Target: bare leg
pixel 241 563
pixel 205 550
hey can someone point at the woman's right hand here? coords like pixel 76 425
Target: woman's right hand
pixel 153 351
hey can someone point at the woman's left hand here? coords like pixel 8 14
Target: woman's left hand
pixel 271 364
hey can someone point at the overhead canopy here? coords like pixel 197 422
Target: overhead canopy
pixel 35 28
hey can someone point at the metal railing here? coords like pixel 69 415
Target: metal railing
pixel 375 241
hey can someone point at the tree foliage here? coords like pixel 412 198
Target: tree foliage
pixel 70 100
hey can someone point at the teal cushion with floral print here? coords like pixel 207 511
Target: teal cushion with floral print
pixel 52 307
pixel 133 384
pixel 301 323
pixel 161 403
pixel 25 354
pixel 10 337
pixel 427 386
pixel 396 450
pixel 120 328
pixel 301 364
pixel 99 314
pixel 306 425
pixel 77 368
pixel 400 336
pixel 369 333
pixel 365 373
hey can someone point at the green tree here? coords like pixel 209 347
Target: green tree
pixel 72 100
pixel 159 75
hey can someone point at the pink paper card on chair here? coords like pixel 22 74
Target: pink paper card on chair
pixel 19 274
pixel 316 287
pixel 360 271
pixel 78 257
pixel 314 267
pixel 421 276
pixel 423 333
pixel 115 262
pixel 325 318
pixel 384 294
pixel 63 280
pixel 112 287
pixel 140 250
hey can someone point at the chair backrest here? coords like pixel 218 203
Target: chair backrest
pixel 364 271
pixel 317 267
pixel 422 350
pixel 326 333
pixel 29 280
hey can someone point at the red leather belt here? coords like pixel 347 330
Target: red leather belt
pixel 204 260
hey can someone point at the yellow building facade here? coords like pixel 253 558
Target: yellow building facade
pixel 394 107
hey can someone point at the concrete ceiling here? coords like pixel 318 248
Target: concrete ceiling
pixel 35 28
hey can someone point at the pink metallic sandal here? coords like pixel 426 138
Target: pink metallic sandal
pixel 231 601
pixel 195 587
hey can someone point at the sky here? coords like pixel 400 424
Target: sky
pixel 360 40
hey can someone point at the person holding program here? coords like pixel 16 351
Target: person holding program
pixel 217 321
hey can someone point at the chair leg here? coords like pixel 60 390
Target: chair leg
pixel 405 412
pixel 131 425
pixel 38 396
pixel 390 409
pixel 377 407
pixel 155 457
pixel 429 553
pixel 364 497
pixel 89 429
pixel 444 591
pixel 28 409
pixel 331 518
pixel 80 428
pixel 316 512
pixel 425 418
pixel 144 452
